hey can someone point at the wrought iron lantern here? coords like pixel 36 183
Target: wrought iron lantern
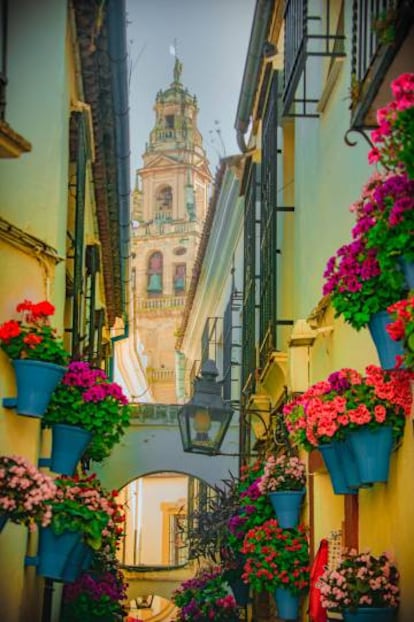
pixel 204 419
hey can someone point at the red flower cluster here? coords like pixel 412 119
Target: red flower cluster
pixel 33 337
pixel 276 557
pixel 402 329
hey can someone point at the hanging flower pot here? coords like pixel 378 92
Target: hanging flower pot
pixel 75 563
pixel 387 348
pixel 287 603
pixel 332 458
pixel 287 504
pixel 372 449
pixel 36 381
pixel 68 444
pixel 370 614
pixel 54 552
pixel 240 591
pixel 347 460
pixel 407 268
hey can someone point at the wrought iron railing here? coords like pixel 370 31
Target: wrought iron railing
pixel 308 33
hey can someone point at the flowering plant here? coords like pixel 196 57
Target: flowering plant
pixel 283 473
pixel 360 580
pixel 86 398
pixel 204 598
pixel 25 492
pixel 394 138
pixel 276 557
pixel 346 401
pixel 81 504
pixel 95 596
pixel 402 328
pixel 254 508
pixel 363 276
pixel 32 337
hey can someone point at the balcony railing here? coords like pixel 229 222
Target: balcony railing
pixel 307 35
pixel 379 28
pixel 154 414
pixel 163 302
pixel 167 228
pixel 160 375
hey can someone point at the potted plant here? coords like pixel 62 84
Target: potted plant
pixel 367 411
pixel 85 399
pixel 284 480
pixel 277 560
pixel 37 355
pixel 253 508
pixel 80 513
pixel 96 596
pixel 364 277
pixel 401 328
pixel 25 493
pixel 205 597
pixel 393 139
pixel 363 587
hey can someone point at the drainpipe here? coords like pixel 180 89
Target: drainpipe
pixel 116 24
pixel 260 27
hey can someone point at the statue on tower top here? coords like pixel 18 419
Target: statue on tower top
pixel 178 68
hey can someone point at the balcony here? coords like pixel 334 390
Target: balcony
pixel 382 49
pixel 161 303
pixel 311 33
pixel 166 228
pixel 160 375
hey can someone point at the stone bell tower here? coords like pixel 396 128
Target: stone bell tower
pixel 169 205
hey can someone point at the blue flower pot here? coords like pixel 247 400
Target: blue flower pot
pixel 287 504
pixel 240 591
pixel 287 603
pixel 407 268
pixel 68 444
pixel 54 552
pixel 75 562
pixel 3 520
pixel 372 450
pixel 36 381
pixel 332 458
pixel 370 614
pixel 349 466
pixel 387 348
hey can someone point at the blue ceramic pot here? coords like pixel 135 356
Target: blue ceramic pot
pixel 332 458
pixel 370 614
pixel 287 604
pixel 407 268
pixel 68 444
pixel 372 451
pixel 75 562
pixel 3 520
pixel 54 552
pixel 287 504
pixel 36 381
pixel 240 591
pixel 387 348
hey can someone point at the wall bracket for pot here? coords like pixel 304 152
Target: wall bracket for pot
pixel 44 462
pixel 9 402
pixel 31 560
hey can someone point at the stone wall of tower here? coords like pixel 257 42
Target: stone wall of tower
pixel 165 243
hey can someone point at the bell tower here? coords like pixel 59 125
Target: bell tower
pixel 169 205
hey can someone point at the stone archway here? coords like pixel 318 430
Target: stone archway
pixel 153 445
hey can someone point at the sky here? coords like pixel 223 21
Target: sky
pixel 211 38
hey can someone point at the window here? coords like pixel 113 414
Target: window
pixel 163 209
pixel 155 265
pixel 179 279
pixel 169 121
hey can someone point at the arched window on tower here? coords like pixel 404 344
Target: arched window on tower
pixel 179 278
pixel 154 272
pixel 163 205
